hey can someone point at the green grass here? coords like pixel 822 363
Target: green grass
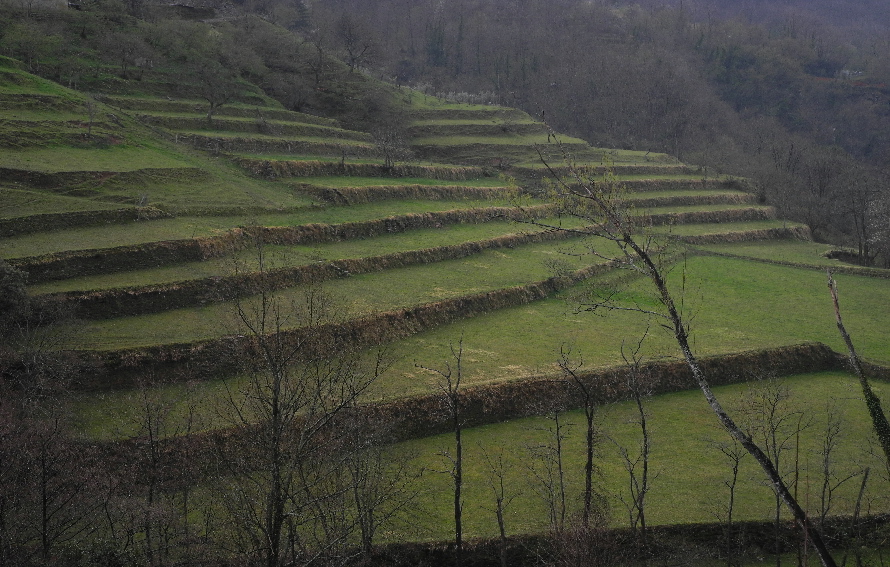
pixel 210 132
pixel 505 140
pixel 189 227
pixel 420 101
pixel 733 305
pixel 16 81
pixel 20 203
pixel 110 158
pixel 305 157
pixel 678 209
pixel 687 473
pixel 500 120
pixel 43 115
pixel 799 251
pixel 639 195
pixel 283 256
pixel 723 228
pixel 359 295
pixel 200 111
pixel 343 181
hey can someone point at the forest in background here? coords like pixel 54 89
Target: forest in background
pixel 792 95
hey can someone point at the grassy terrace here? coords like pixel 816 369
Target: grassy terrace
pixel 343 181
pixel 222 133
pixel 688 472
pixel 190 227
pixel 284 256
pixel 509 119
pixel 726 228
pixel 358 295
pixel 504 140
pixel 732 302
pixel 797 251
pixel 111 158
pixel 22 202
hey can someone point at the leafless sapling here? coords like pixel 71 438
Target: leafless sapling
pixel 496 478
pixel 548 473
pixel 284 408
pixel 588 396
pixel 776 425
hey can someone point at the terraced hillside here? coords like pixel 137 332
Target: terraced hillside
pixel 152 224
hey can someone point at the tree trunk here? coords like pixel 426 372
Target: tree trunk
pixel 682 338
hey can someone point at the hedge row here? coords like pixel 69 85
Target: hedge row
pixel 199 107
pixel 494 113
pixel 58 221
pixel 714 217
pixel 258 126
pixel 692 200
pixel 422 416
pixel 67 179
pixel 618 169
pixel 235 144
pixel 215 357
pixel 851 270
pixel 104 304
pixel 39 101
pixel 360 195
pixel 748 543
pixel 52 136
pixel 275 169
pixel 123 258
pixel 478 130
pixel 798 232
pixel 485 153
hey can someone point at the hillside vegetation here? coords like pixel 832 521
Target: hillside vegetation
pixel 189 207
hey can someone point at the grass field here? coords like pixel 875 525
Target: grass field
pixel 284 256
pixel 357 295
pixel 398 181
pixel 687 472
pixel 733 303
pixel 191 227
pixel 796 251
pixel 525 340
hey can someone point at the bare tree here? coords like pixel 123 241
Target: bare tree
pixel 548 473
pixel 831 479
pixel 496 477
pixel 597 202
pixel 777 427
pixel 391 142
pixel 279 470
pixel 637 464
pixel 589 403
pixel 358 44
pixel 734 454
pixel 216 84
pixel 872 401
pixel 449 383
pixel 381 484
